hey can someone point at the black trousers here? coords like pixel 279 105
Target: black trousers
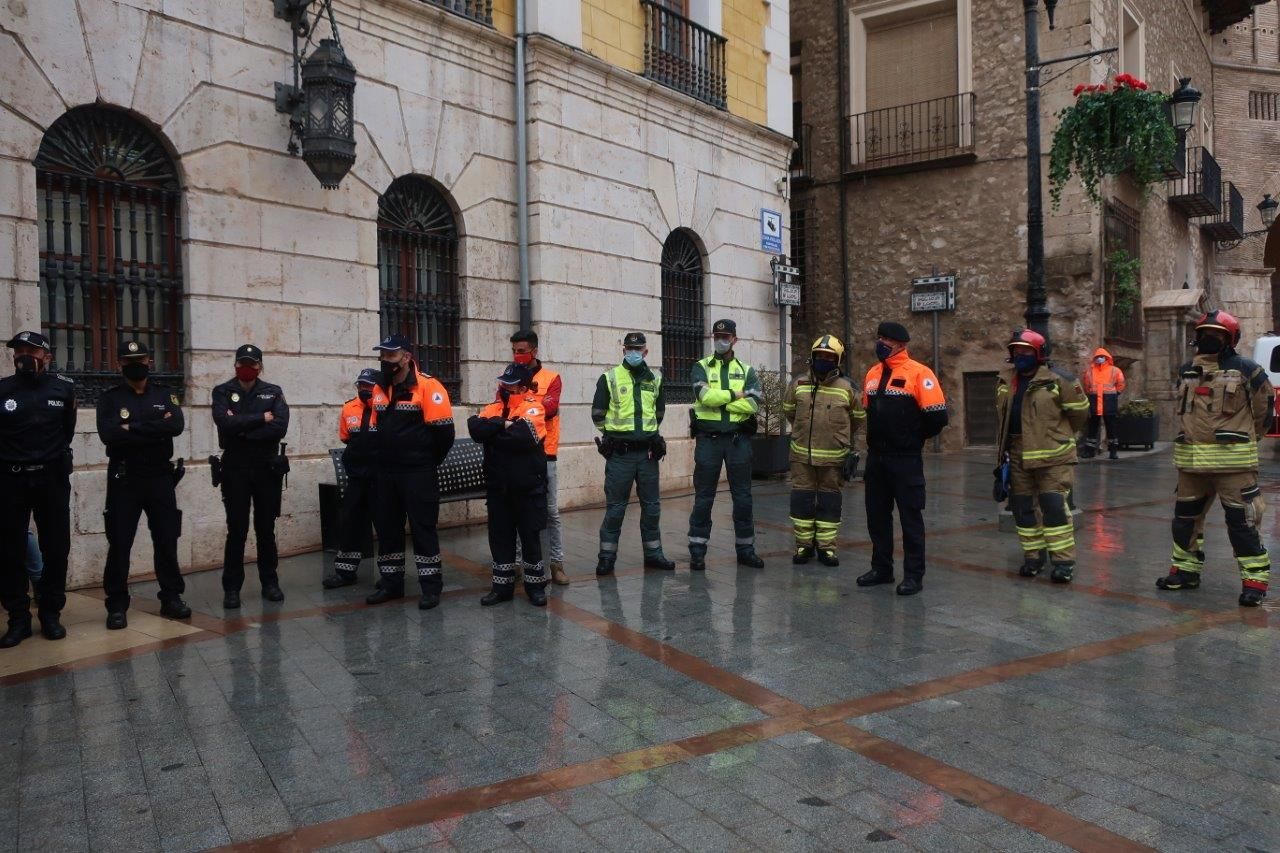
pixel 1095 427
pixel 242 487
pixel 896 480
pixel 514 514
pixel 412 494
pixel 128 497
pixel 354 524
pixel 46 494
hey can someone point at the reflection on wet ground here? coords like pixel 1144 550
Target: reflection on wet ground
pixel 737 709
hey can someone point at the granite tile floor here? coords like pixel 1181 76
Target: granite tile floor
pixel 783 709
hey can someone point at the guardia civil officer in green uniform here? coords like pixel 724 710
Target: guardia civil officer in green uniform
pixel 627 409
pixel 727 396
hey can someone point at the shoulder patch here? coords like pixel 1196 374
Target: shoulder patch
pixel 65 378
pixel 173 398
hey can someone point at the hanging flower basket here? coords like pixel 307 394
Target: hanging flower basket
pixel 1109 130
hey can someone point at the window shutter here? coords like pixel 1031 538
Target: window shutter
pixel 912 61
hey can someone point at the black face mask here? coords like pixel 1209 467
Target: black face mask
pixel 135 372
pixel 25 365
pixel 365 394
pixel 823 366
pixel 389 371
pixel 1211 345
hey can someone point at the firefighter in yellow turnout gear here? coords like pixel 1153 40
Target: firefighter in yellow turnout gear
pixel 1040 409
pixel 1225 404
pixel 825 412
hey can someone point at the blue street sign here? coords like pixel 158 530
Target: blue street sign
pixel 771 231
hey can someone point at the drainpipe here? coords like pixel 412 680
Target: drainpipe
pixel 842 186
pixel 522 172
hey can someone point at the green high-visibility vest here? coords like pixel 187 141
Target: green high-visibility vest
pixel 621 416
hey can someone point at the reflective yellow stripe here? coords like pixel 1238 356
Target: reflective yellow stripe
pixel 1260 561
pixel 621 415
pixel 1243 455
pixel 859 413
pixel 1083 404
pixel 797 447
pixel 1051 453
pixel 1264 575
pixel 1185 560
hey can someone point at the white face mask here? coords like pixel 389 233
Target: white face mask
pixel 1099 360
pixel 722 345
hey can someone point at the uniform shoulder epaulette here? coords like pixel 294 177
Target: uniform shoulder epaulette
pixel 65 378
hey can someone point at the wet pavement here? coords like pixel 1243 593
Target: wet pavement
pixel 783 709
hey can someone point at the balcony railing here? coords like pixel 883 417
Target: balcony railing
pixel 1177 168
pixel 1229 223
pixel 1199 193
pixel 682 55
pixel 800 163
pixel 476 10
pixel 929 132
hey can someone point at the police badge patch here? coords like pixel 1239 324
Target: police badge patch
pixel 10 405
pixel 235 398
pixel 124 414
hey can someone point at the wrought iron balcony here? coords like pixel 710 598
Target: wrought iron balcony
pixel 682 55
pixel 929 133
pixel 1177 168
pixel 1199 192
pixel 1228 224
pixel 476 10
pixel 800 162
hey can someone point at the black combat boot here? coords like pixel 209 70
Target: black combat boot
pixel 659 561
pixel 803 554
pixel 827 556
pixel 874 578
pixel 174 608
pixel 910 586
pixel 750 559
pixel 1251 596
pixel 51 626
pixel 339 579
pixel 605 566
pixel 19 630
pixel 388 590
pixel 117 620
pixel 1178 579
pixel 1062 572
pixel 498 594
pixel 1113 448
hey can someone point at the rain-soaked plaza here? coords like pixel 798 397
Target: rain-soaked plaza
pixel 782 709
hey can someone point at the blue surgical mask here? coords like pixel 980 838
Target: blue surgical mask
pixel 633 358
pixel 723 345
pixel 1026 363
pixel 883 350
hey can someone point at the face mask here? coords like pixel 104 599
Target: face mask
pixel 522 358
pixel 25 365
pixel 823 366
pixel 1099 360
pixel 883 350
pixel 365 394
pixel 1026 363
pixel 1209 345
pixel 389 371
pixel 247 372
pixel 723 345
pixel 135 372
pixel 633 358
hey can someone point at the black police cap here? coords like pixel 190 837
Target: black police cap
pixel 516 374
pixel 633 339
pixel 725 327
pixel 31 339
pixel 893 331
pixel 392 343
pixel 132 349
pixel 248 351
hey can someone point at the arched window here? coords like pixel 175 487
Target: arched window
pixel 418 275
pixel 683 313
pixel 110 247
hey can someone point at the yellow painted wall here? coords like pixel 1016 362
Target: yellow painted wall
pixel 614 31
pixel 504 16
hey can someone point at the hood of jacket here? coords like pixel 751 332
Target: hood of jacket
pixel 1102 352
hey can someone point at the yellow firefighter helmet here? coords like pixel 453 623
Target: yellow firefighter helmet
pixel 828 343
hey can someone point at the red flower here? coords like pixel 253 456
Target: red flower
pixel 1078 89
pixel 1141 86
pixel 1124 78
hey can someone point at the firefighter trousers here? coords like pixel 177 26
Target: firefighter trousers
pixel 128 497
pixel 516 518
pixel 816 504
pixel 355 533
pixel 621 470
pixel 1048 489
pixel 895 480
pixel 400 494
pixel 1242 504
pixel 46 495
pixel 711 452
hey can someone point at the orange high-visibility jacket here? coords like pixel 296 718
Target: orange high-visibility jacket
pixel 1104 383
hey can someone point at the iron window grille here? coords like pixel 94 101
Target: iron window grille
pixel 682 55
pixel 476 10
pixel 1122 232
pixel 933 132
pixel 1264 106
pixel 418 293
pixel 110 237
pixel 683 314
pixel 800 238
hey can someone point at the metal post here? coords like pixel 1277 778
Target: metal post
pixel 782 320
pixel 1037 314
pixel 522 173
pixel 937 369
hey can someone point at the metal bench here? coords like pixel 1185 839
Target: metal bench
pixel 460 475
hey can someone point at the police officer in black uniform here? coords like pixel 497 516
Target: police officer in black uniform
pixel 137 421
pixel 37 423
pixel 252 417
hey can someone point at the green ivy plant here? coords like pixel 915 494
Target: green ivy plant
pixel 1124 273
pixel 1109 130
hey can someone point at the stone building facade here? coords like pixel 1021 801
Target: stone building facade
pixel 911 119
pixel 630 183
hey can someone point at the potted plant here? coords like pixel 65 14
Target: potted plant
pixel 1137 424
pixel 1110 130
pixel 770 446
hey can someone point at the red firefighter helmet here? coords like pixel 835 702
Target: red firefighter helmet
pixel 1028 338
pixel 1223 322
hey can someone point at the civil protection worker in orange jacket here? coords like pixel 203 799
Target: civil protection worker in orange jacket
pixel 1103 383
pixel 905 406
pixel 546 388
pixel 357 430
pixel 415 432
pixel 513 430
